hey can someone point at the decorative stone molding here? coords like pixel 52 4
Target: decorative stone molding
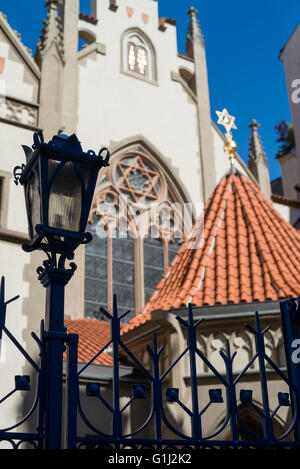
pixel 52 32
pixel 13 236
pixel 95 47
pixel 212 341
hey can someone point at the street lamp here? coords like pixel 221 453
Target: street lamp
pixel 59 181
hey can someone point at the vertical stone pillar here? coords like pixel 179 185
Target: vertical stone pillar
pixel 196 49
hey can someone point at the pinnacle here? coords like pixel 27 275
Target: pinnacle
pixel 50 3
pixel 52 30
pixel 192 10
pixel 194 32
pixel 256 150
pixel 254 124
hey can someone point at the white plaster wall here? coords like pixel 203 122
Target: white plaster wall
pixel 284 211
pixel 114 106
pixel 22 317
pixel 19 269
pixel 290 214
pixel 11 155
pixel 13 76
pixel 291 61
pixel 289 172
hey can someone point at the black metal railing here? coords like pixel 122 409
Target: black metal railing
pixel 160 430
pixel 160 396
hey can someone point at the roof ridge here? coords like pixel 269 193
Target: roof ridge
pixel 221 212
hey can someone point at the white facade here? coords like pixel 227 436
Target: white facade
pixel 163 110
pixel 290 58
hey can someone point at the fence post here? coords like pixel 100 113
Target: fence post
pixel 72 391
pixel 192 344
pixel 290 318
pixel 54 280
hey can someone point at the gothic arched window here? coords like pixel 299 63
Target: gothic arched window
pixel 136 221
pixel 138 57
pixel 95 272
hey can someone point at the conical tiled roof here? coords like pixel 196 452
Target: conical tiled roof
pixel 247 253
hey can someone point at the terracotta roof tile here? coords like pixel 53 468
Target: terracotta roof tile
pixel 249 253
pixel 93 336
pixel 280 199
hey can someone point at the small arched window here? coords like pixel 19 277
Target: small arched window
pixel 138 56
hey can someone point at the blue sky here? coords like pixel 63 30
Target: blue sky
pixel 243 40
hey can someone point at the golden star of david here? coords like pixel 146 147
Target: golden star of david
pixel 226 120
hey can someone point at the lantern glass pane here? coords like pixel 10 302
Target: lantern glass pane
pixel 33 202
pixel 65 200
pixel 52 165
pixel 86 175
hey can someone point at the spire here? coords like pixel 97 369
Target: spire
pixel 257 160
pixel 52 31
pixel 194 32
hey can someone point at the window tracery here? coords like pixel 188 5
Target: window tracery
pixel 137 213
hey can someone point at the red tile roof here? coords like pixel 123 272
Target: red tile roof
pixel 93 335
pixel 247 253
pixel 280 199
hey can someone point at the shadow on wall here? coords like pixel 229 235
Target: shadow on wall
pixel 33 308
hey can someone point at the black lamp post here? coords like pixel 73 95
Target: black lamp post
pixel 59 181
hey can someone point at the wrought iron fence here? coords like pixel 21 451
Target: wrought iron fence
pixel 155 379
pixel 117 439
pixel 12 434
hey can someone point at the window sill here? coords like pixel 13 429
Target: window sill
pixel 139 77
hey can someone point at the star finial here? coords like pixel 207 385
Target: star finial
pixel 228 122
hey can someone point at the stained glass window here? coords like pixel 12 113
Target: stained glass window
pixel 153 264
pixel 124 274
pixel 95 273
pixel 173 247
pixel 137 59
